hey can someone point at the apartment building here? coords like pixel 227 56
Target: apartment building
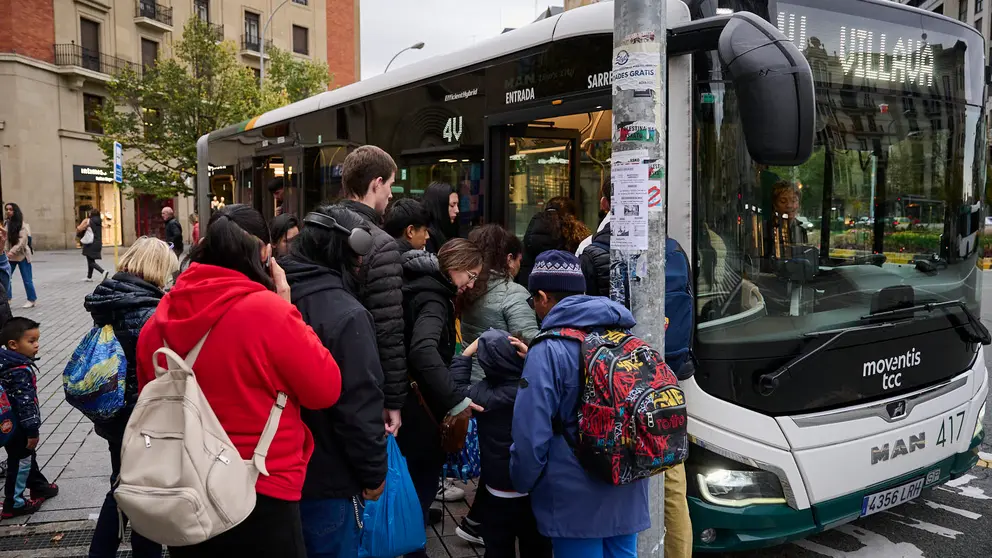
pixel 56 58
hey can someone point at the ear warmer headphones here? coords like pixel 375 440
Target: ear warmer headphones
pixel 359 240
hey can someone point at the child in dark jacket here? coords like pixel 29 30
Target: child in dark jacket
pixel 508 515
pixel 17 374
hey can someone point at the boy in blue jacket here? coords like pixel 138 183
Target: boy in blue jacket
pixel 508 514
pixel 583 516
pixel 17 374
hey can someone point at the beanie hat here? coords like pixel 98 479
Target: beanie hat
pixel 556 271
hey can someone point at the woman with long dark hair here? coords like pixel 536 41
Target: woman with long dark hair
pixel 441 202
pixel 431 285
pixel 495 302
pixel 126 301
pixel 348 464
pixel 92 232
pixel 556 228
pixel 235 301
pixel 283 230
pixel 19 252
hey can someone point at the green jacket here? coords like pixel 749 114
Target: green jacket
pixel 504 306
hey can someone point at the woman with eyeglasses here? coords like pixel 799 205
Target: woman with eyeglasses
pixel 431 285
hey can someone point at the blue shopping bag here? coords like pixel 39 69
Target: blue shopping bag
pixel 394 524
pixel 95 376
pixel 466 464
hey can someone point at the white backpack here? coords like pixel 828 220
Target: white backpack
pixel 182 481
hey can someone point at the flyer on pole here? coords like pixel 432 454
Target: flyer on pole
pixel 629 222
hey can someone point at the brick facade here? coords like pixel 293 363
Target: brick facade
pixel 343 42
pixel 27 27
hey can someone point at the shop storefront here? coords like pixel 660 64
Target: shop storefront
pixel 94 188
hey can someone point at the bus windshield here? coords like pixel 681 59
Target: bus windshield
pixel 891 196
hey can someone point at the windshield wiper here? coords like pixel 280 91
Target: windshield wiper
pixel 980 333
pixel 768 383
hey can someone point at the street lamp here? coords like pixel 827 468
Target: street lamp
pixel 416 46
pixel 261 48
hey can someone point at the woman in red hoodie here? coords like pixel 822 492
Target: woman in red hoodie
pixel 258 346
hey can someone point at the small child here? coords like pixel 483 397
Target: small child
pixel 507 516
pixel 17 374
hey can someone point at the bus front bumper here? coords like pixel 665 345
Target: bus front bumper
pixel 761 526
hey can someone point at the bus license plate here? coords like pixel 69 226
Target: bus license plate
pixel 881 501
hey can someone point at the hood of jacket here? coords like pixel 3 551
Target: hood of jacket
pixel 11 359
pixel 422 271
pixel 202 294
pixel 306 278
pixel 587 312
pixel 497 356
pixel 119 295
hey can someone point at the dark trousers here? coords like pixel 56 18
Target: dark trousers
pixel 22 471
pixel 110 526
pixel 482 496
pixel 92 265
pixel 508 520
pixel 426 476
pixel 272 529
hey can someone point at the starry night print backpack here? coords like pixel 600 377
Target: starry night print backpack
pixel 631 413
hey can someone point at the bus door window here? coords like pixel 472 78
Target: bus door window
pixel 540 169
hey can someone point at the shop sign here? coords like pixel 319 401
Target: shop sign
pixel 82 173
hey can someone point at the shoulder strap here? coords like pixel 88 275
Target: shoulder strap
pixel 572 333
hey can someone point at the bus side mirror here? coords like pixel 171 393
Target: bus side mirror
pixel 774 86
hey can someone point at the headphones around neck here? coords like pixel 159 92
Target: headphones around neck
pixel 359 240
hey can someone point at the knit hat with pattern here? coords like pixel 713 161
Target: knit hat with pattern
pixel 556 271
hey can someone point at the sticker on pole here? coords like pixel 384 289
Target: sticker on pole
pixel 629 221
pixel 118 163
pixel 637 67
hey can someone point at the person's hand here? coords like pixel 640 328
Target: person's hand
pixel 32 443
pixel 471 349
pixel 519 345
pixel 374 493
pixel 279 278
pixel 393 420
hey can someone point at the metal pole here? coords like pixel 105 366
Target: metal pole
pixel 261 47
pixel 639 145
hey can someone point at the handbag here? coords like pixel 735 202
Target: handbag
pixel 453 429
pixel 87 236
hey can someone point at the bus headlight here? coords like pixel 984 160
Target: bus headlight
pixel 726 487
pixel 980 421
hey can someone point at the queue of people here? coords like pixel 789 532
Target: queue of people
pixel 378 321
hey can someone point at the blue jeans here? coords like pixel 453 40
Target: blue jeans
pixel 25 267
pixel 624 546
pixel 5 273
pixel 330 529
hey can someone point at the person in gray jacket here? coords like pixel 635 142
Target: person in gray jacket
pixel 496 302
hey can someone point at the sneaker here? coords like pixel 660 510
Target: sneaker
pixel 29 304
pixel 87 280
pixel 468 530
pixel 29 507
pixel 46 493
pixel 434 515
pixel 449 492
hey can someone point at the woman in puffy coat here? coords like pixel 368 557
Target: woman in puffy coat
pixel 556 228
pixel 431 284
pixel 126 301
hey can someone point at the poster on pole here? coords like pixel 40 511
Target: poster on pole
pixel 118 163
pixel 629 223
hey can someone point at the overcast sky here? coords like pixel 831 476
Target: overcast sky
pixel 389 26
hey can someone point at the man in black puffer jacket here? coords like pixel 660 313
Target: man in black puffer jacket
pixel 594 252
pixel 367 178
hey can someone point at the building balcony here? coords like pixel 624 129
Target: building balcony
pixel 251 45
pixel 152 15
pixel 81 64
pixel 217 31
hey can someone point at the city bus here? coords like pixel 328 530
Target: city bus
pixel 840 371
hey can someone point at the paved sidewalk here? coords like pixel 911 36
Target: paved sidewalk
pixel 71 454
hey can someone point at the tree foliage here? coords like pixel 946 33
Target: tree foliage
pixel 158 114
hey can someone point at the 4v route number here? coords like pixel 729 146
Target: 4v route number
pixel 947 429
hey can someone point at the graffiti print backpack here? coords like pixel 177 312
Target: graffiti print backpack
pixel 631 414
pixel 8 419
pixel 96 374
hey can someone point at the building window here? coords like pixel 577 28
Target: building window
pixel 256 72
pixel 963 11
pixel 979 5
pixel 300 2
pixel 978 24
pixel 149 54
pixel 151 119
pixel 202 10
pixel 252 31
pixel 89 41
pixel 92 105
pixel 301 40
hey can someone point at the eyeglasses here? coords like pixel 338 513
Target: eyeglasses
pixel 472 276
